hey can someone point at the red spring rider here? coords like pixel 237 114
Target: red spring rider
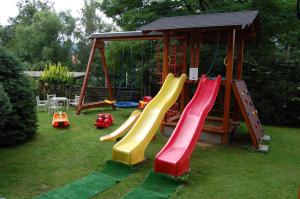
pixel 104 120
pixel 144 102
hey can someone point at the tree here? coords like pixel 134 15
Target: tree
pixel 129 14
pixel 5 107
pixel 28 8
pixel 39 39
pixel 91 20
pixel 20 124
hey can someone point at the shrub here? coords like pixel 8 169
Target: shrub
pixel 56 74
pixel 5 107
pixel 16 93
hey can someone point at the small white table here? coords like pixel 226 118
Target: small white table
pixel 62 99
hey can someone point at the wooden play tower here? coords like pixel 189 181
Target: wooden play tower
pixel 232 30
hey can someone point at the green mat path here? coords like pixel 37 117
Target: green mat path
pixel 156 186
pixel 94 183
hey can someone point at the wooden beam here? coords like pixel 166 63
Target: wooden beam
pixel 218 119
pixel 86 77
pixel 107 79
pixel 197 50
pixel 240 57
pixel 228 82
pixel 100 44
pixel 165 68
pixel 192 50
pixel 239 70
pixel 184 70
pixel 165 56
pixel 94 105
pixel 143 37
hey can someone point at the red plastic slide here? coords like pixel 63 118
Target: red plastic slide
pixel 174 157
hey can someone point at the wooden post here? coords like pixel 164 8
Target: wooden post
pixel 197 45
pixel 107 79
pixel 165 56
pixel 240 57
pixel 192 50
pixel 228 82
pixel 184 70
pixel 86 77
pixel 239 71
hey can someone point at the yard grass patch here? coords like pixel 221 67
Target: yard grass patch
pixel 57 157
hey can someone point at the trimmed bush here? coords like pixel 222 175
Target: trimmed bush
pixel 17 102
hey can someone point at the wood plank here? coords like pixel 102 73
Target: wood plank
pixel 143 37
pixel 87 76
pixel 240 57
pixel 207 127
pixel 184 70
pixel 173 118
pixel 239 70
pixel 107 79
pixel 192 49
pixel 165 56
pixel 197 50
pixel 94 105
pixel 228 82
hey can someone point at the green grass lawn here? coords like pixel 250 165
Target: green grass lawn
pixel 56 157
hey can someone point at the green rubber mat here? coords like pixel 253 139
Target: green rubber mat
pixel 156 186
pixel 94 183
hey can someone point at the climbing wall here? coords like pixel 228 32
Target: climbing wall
pixel 249 112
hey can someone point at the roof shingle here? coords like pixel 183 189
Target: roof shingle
pixel 229 19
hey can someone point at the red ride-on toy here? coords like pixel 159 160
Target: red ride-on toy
pixel 104 120
pixel 144 102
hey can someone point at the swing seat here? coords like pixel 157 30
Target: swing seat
pixel 126 104
pixel 110 102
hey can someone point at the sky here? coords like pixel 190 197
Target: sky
pixel 8 8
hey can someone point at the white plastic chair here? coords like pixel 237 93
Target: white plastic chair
pixel 50 96
pixel 75 101
pixel 41 104
pixel 53 106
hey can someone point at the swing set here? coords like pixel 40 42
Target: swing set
pixel 181 38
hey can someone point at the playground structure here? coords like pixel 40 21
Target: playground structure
pixel 232 30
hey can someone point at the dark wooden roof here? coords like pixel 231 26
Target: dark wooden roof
pixel 229 19
pixel 125 35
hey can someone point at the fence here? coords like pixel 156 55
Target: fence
pixel 99 93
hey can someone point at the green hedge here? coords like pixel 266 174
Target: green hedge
pixel 17 102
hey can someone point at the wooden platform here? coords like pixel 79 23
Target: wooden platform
pixel 94 105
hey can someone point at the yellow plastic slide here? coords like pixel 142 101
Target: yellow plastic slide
pixel 130 150
pixel 112 137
